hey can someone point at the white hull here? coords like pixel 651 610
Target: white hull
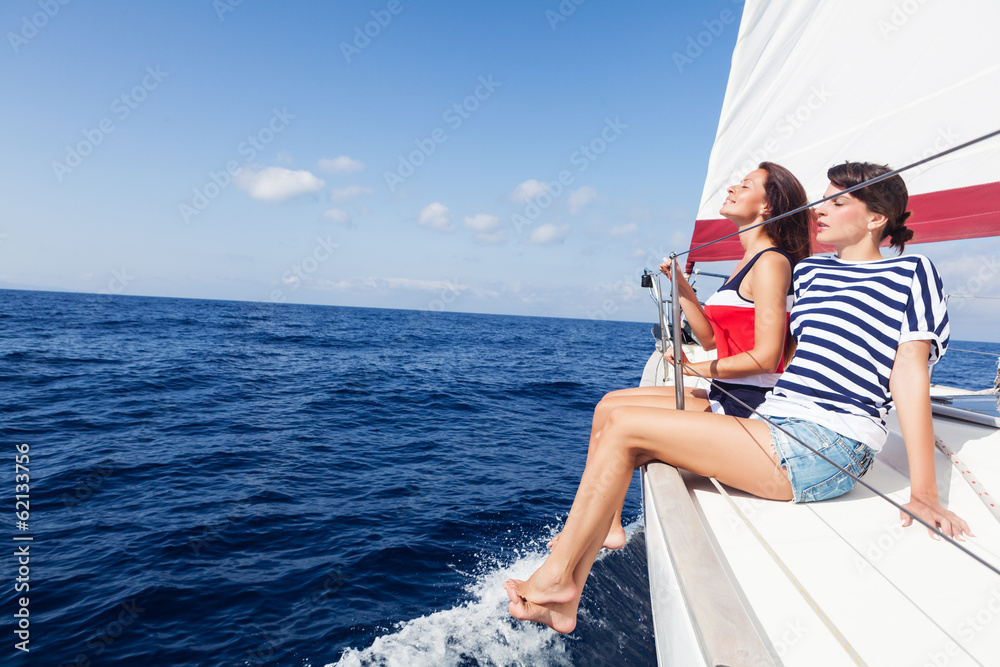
pixel 890 596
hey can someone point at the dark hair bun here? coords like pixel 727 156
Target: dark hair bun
pixel 899 236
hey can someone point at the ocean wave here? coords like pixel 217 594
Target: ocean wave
pixel 480 632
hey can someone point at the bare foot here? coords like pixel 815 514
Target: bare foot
pixel 561 617
pixel 614 540
pixel 616 537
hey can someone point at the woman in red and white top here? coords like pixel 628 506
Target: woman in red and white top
pixel 746 321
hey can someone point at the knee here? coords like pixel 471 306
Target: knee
pixel 604 407
pixel 616 437
pixel 616 418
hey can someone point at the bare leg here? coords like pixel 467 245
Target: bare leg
pixel 657 397
pixel 735 451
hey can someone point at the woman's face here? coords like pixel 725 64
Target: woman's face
pixel 745 200
pixel 844 220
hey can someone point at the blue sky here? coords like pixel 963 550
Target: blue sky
pixel 389 154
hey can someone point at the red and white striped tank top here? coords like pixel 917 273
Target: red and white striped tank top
pixel 732 320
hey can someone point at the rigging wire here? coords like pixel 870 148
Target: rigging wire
pixel 988 354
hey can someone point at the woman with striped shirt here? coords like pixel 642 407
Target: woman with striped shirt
pixel 866 329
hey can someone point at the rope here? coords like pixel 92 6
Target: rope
pixel 968 476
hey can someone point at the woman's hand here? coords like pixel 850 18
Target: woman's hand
pixel 687 368
pixel 910 386
pixel 669 356
pixel 933 513
pixel 665 269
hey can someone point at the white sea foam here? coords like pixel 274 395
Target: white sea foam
pixel 480 629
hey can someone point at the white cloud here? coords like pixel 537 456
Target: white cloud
pixel 382 284
pixel 486 227
pixel 482 222
pixel 277 183
pixel 341 165
pixel 528 190
pixel 350 192
pixel 545 234
pixel 337 215
pixel 630 228
pixel 436 216
pixel 580 198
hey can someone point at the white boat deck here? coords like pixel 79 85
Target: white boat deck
pixel 866 591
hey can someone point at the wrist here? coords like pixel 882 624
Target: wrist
pixel 924 495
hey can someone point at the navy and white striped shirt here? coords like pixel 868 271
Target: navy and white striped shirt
pixel 848 320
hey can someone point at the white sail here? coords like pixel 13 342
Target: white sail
pixel 821 82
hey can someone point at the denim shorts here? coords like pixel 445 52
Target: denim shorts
pixel 812 477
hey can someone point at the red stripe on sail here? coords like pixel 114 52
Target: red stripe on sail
pixel 961 213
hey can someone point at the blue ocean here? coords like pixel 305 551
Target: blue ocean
pixel 229 483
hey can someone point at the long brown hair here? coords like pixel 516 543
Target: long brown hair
pixel 783 193
pixel 888 197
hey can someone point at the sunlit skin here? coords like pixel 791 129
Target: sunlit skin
pixel 735 451
pixel 766 285
pixel 847 224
